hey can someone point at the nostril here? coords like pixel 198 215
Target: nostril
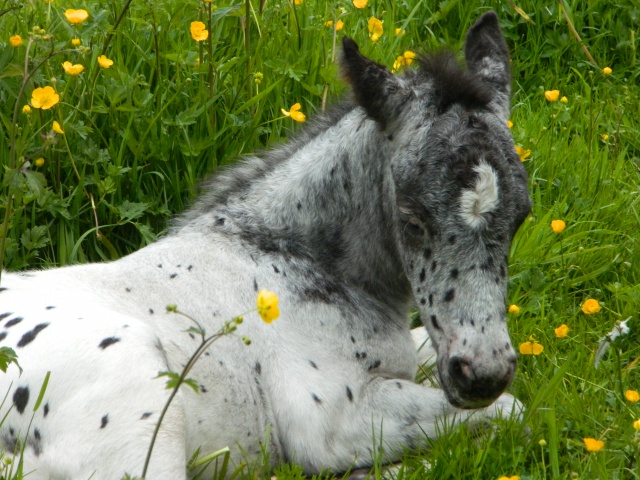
pixel 461 370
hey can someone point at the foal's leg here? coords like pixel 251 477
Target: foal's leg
pixel 403 414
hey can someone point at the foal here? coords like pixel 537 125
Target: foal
pixel 409 196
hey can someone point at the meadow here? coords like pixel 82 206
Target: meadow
pixel 98 155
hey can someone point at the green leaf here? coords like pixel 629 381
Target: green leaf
pixel 196 331
pixel 131 210
pixel 34 238
pixel 43 389
pixel 174 381
pixel 7 356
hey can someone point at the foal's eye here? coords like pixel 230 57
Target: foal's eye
pixel 414 226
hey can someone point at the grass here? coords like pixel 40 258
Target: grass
pixel 140 135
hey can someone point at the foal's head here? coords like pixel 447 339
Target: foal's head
pixel 461 194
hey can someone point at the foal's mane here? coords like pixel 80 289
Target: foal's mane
pixel 232 179
pixel 452 84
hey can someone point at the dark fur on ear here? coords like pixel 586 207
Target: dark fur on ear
pixel 371 82
pixel 487 56
pixel 452 83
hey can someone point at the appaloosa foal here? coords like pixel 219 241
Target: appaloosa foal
pixel 410 195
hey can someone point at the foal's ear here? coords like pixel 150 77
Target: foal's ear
pixel 372 83
pixel 488 58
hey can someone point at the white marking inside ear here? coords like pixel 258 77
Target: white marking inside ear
pixel 483 198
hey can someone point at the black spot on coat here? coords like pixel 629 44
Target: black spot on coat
pixel 104 421
pixel 13 321
pixel 375 364
pixel 108 341
pixel 21 398
pixel 5 315
pixel 349 394
pixel 145 415
pixel 449 294
pixel 30 336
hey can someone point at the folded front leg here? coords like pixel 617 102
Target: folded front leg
pixel 396 414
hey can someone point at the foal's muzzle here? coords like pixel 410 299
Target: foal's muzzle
pixel 476 386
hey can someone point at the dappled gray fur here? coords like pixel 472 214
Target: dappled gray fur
pixel 409 196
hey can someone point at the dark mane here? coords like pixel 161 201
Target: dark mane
pixel 232 179
pixel 452 83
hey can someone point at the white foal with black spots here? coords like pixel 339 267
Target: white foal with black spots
pixel 408 196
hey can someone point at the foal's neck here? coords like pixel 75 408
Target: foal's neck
pixel 329 201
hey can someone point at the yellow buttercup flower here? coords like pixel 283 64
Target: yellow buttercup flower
pixel 632 396
pixel 509 124
pixel 593 445
pixel 552 95
pixel 530 348
pixel 562 331
pixel 295 113
pixel 75 42
pixel 607 71
pixel 403 60
pixel 360 3
pixel 339 24
pixel 513 477
pixel 39 162
pixel 515 309
pixel 558 226
pixel 268 305
pixel 400 31
pixel 44 98
pixel 591 306
pixel 15 41
pixel 76 16
pixel 564 99
pixel 26 109
pixel 523 153
pixel 198 31
pixel 297 2
pixel 72 69
pixel 375 29
pixel 636 424
pixel 104 62
pixel 605 137
pixel 57 128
